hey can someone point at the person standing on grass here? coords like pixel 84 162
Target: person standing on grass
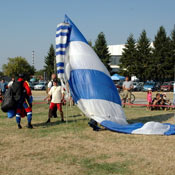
pixel 23 97
pixel 11 82
pixel 149 98
pixel 3 86
pixel 57 96
pixel 49 86
pixel 127 87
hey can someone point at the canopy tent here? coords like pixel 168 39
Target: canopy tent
pixel 117 77
pixel 33 79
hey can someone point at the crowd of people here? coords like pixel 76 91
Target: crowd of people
pixel 160 101
pixel 22 95
pixel 20 105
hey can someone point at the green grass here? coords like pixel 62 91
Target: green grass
pixel 72 148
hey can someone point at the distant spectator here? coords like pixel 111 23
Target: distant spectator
pixel 11 82
pixel 149 98
pixel 157 101
pixel 49 86
pixel 3 86
pixel 167 101
pixel 127 87
pixel 57 96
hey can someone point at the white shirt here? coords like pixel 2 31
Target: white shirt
pixel 56 92
pixel 50 84
pixel 127 84
pixel 10 84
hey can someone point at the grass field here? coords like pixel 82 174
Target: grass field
pixel 72 148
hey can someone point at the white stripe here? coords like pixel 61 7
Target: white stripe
pixel 60 49
pixel 152 128
pixel 101 110
pixel 62 24
pixel 62 31
pixel 82 56
pixel 17 115
pixel 61 40
pixel 29 113
pixel 59 68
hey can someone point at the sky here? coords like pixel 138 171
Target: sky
pixel 27 25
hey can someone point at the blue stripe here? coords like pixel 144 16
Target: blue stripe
pixel 60 71
pixel 60 64
pixel 171 131
pixel 61 53
pixel 61 45
pixel 92 84
pixel 62 27
pixel 75 34
pixel 127 129
pixel 62 34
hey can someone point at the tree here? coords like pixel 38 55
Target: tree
pixel 127 64
pixel 16 66
pixel 162 61
pixel 143 58
pixel 101 50
pixel 172 53
pixel 1 74
pixel 50 61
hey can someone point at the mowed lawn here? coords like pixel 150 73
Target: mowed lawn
pixel 72 148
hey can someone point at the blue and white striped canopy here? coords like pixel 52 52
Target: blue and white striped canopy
pixel 91 85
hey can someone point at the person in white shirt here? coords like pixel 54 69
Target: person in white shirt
pixel 11 82
pixel 49 86
pixel 57 95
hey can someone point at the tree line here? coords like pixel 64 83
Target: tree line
pixel 149 63
pixel 138 58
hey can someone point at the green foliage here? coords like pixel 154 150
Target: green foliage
pixel 148 63
pixel 127 61
pixel 101 50
pixel 143 58
pixel 1 74
pixel 162 61
pixel 16 66
pixel 50 61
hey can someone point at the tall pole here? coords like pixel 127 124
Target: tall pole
pixel 33 57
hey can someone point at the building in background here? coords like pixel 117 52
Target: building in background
pixel 116 53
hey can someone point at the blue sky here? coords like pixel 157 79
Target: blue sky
pixel 27 25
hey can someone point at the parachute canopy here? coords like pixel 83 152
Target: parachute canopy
pixel 91 85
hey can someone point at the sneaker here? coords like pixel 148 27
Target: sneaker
pixel 19 126
pixel 30 126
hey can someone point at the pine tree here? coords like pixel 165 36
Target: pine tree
pixel 101 50
pixel 128 58
pixel 161 56
pixel 172 57
pixel 143 58
pixel 50 61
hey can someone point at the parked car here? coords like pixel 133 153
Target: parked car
pixel 40 86
pixel 31 85
pixel 149 84
pixel 140 86
pixel 137 86
pixel 167 86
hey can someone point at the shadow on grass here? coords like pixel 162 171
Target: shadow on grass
pixel 156 118
pixel 58 122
